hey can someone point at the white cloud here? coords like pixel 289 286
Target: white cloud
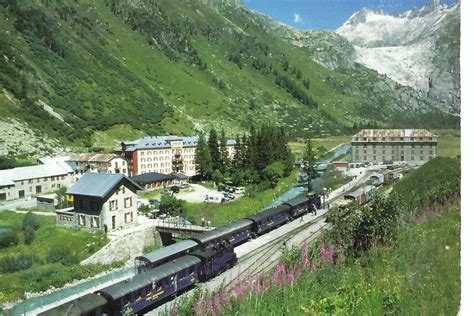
pixel 297 18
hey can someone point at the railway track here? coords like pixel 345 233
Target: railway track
pixel 264 258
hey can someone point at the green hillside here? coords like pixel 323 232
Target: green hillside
pixel 178 66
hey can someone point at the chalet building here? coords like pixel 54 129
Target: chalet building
pixel 102 202
pixel 24 182
pixel 106 163
pixel 163 154
pixel 379 145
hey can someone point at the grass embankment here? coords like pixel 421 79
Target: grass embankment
pixel 52 259
pixel 449 142
pixel 220 214
pixel 328 143
pixel 418 276
pixel 392 256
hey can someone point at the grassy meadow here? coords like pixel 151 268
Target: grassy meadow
pixel 449 142
pixel 52 259
pixel 390 256
pixel 221 214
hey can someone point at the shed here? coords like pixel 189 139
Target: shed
pixel 153 180
pixel 47 202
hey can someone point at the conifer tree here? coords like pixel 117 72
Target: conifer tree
pixel 309 163
pixel 213 145
pixel 225 161
pixel 202 158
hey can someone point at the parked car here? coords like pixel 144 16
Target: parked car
pixel 184 185
pixel 213 199
pixel 221 188
pixel 231 190
pixel 239 190
pixel 228 195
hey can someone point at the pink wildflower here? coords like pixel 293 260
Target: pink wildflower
pixel 305 255
pixel 200 307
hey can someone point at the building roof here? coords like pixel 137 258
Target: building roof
pixel 159 142
pixel 9 176
pixel 48 160
pixel 394 133
pixel 99 184
pixel 91 157
pixel 152 177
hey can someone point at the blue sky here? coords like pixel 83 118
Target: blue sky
pixel 327 14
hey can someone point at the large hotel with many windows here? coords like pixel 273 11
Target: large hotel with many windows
pixel 163 154
pixel 379 145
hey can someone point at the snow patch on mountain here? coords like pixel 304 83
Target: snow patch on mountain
pixel 406 47
pixel 408 65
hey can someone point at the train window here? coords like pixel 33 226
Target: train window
pixel 182 274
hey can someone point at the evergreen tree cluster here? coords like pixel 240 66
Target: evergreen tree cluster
pixel 261 156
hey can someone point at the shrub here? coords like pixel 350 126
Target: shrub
pixel 62 255
pixel 29 236
pixel 30 221
pixel 8 238
pixel 14 263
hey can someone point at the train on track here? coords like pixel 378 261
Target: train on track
pixel 168 271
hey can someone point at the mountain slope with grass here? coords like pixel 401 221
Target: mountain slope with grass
pixel 84 70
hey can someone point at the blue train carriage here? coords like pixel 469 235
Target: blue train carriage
pixel 214 261
pixel 87 305
pixel 152 287
pixel 269 219
pixel 163 255
pixel 234 233
pixel 298 206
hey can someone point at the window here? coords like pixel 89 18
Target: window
pixel 113 205
pixel 128 217
pixel 123 190
pixel 374 157
pixel 127 202
pixel 95 222
pixel 45 179
pixel 422 158
pixel 31 181
pixel 82 220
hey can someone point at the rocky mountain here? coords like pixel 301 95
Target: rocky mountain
pixel 87 71
pixel 418 48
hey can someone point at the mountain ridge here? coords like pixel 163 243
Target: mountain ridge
pixel 87 70
pixel 417 48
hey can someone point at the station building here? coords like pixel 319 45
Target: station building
pixel 25 182
pixel 397 145
pixel 102 202
pixel 163 154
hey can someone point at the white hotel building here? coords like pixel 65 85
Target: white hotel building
pixel 163 154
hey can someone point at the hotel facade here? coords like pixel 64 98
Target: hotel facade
pixel 163 154
pixel 379 145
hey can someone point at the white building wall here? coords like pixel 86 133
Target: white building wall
pixel 37 186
